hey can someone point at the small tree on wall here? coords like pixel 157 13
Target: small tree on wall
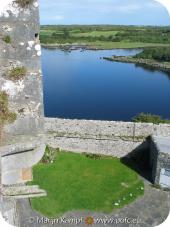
pixel 23 3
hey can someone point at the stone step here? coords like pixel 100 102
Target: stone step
pixel 27 195
pixel 28 191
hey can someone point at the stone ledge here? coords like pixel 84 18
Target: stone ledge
pixel 21 190
pixel 17 158
pixel 162 144
pixel 103 129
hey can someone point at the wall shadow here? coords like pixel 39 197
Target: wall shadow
pixel 139 160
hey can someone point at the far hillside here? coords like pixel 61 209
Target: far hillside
pixel 106 36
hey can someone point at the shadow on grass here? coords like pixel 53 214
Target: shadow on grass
pixel 139 160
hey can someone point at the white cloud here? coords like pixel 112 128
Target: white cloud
pixel 58 17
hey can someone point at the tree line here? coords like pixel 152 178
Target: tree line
pixel 156 53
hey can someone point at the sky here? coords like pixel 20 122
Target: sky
pixel 120 12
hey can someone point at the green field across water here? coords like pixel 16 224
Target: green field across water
pixel 106 37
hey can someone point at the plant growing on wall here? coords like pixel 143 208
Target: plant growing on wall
pixel 49 155
pixel 5 115
pixel 7 39
pixel 23 3
pixel 17 73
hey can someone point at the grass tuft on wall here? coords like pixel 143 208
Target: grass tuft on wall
pixel 17 73
pixel 5 115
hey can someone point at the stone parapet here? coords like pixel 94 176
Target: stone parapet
pixel 104 137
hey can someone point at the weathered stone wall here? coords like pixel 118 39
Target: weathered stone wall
pixel 22 49
pixel 105 137
pixel 21 82
pixel 159 156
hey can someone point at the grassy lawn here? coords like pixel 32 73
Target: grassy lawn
pixel 79 182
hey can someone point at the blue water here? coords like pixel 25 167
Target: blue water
pixel 83 86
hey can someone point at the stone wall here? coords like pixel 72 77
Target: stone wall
pixel 104 137
pixel 20 96
pixel 20 47
pixel 159 156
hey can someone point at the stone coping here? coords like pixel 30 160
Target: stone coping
pixel 106 129
pixel 162 144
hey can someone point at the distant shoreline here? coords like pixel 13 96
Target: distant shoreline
pixel 75 46
pixel 164 66
pixel 70 47
pixel 101 45
pixel 83 46
pixel 140 61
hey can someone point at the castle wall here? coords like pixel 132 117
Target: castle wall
pixel 20 47
pixel 103 137
pixel 160 160
pixel 21 103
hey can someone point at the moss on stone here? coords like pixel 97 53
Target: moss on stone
pixel 17 73
pixel 5 115
pixel 7 39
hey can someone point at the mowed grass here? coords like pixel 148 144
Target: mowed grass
pixel 77 182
